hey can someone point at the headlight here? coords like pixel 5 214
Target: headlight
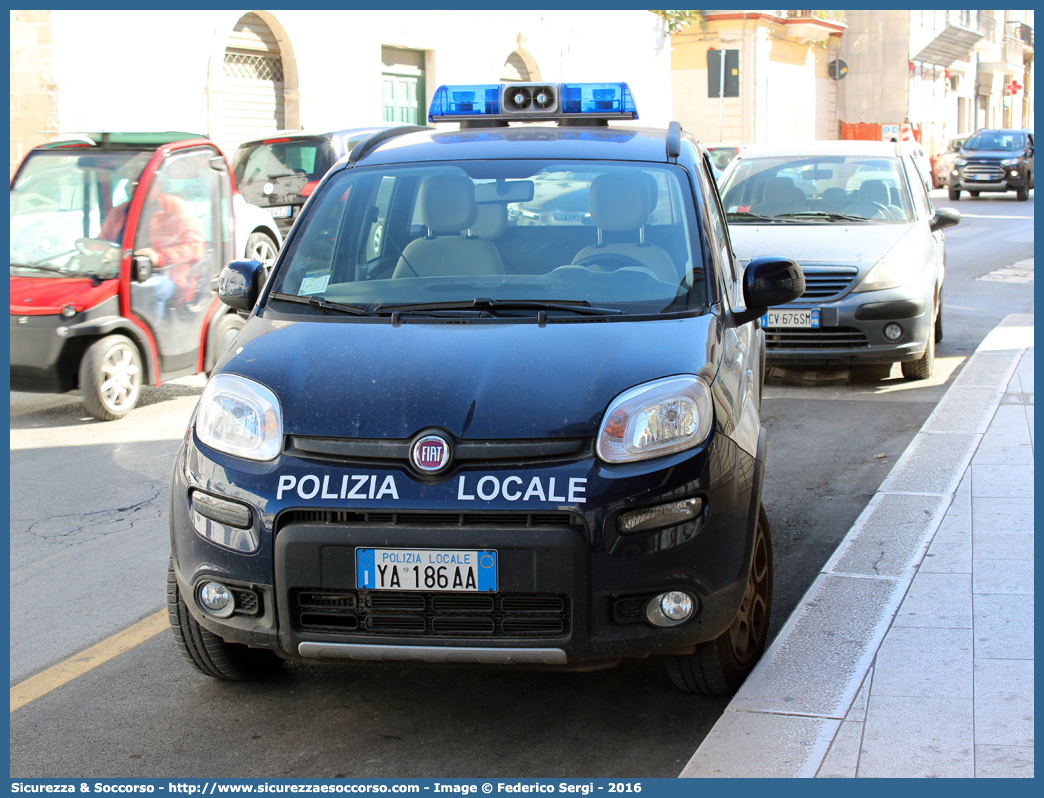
pixel 889 274
pixel 240 417
pixel 960 161
pixel 658 418
pixel 1009 162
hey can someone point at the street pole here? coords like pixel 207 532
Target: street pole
pixel 721 98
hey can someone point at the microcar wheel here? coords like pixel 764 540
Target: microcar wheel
pixel 207 652
pixel 922 369
pixel 719 667
pixel 260 246
pixel 955 194
pixel 110 377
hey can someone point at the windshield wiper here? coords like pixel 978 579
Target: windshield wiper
pixel 582 308
pixel 747 216
pixel 319 302
pixel 58 270
pixel 829 215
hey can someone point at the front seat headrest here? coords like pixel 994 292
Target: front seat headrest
pixel 620 201
pixel 447 203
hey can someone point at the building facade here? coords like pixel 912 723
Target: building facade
pixel 943 73
pixel 779 62
pixel 241 73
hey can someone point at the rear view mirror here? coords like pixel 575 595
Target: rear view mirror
pixel 239 284
pixel 944 217
pixel 505 191
pixel 769 281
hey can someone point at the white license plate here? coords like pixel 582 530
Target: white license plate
pixel 279 211
pixel 449 570
pixel 791 318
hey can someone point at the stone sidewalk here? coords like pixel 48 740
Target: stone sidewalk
pixel 912 653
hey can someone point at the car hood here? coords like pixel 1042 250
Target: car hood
pixel 354 378
pixel 853 244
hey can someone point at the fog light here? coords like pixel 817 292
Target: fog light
pixel 61 332
pixel 660 516
pixel 670 609
pixel 1014 172
pixel 893 332
pixel 217 599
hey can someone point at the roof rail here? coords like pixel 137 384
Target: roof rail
pixel 371 142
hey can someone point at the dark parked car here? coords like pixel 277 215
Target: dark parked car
pixel 449 436
pixel 279 172
pixel 857 217
pixel 994 160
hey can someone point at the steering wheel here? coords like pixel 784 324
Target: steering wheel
pixel 612 261
pixel 875 209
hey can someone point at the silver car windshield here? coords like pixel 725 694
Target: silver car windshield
pixel 818 189
pixel 613 235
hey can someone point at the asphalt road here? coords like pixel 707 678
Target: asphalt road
pixel 89 545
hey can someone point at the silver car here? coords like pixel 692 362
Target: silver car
pixel 857 217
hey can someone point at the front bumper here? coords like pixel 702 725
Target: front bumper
pixel 851 330
pixel 1005 181
pixel 571 588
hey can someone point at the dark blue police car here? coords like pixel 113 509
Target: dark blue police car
pixel 446 436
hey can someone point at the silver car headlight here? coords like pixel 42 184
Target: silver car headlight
pixel 887 273
pixel 240 417
pixel 1009 162
pixel 657 418
pixel 960 161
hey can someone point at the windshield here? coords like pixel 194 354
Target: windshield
pixel 805 189
pixel 997 140
pixel 68 209
pixel 611 235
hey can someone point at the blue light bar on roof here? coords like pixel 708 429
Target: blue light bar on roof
pixel 598 98
pixel 532 102
pixel 470 101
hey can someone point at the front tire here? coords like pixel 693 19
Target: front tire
pixel 1022 194
pixel 207 652
pixel 228 328
pixel 922 369
pixel 720 666
pixel 110 377
pixel 955 194
pixel 939 322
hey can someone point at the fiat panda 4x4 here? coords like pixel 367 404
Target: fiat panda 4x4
pixel 466 422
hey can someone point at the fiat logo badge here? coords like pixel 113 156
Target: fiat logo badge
pixel 431 454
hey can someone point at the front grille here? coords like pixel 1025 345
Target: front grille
pixel 778 338
pixel 385 518
pixel 982 171
pixel 824 284
pixel 381 452
pixel 427 614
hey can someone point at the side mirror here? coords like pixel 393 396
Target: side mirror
pixel 768 281
pixel 944 217
pixel 142 268
pixel 240 282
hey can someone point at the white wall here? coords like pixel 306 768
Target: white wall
pixel 149 70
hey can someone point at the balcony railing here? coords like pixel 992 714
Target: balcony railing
pixel 837 17
pixel 988 26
